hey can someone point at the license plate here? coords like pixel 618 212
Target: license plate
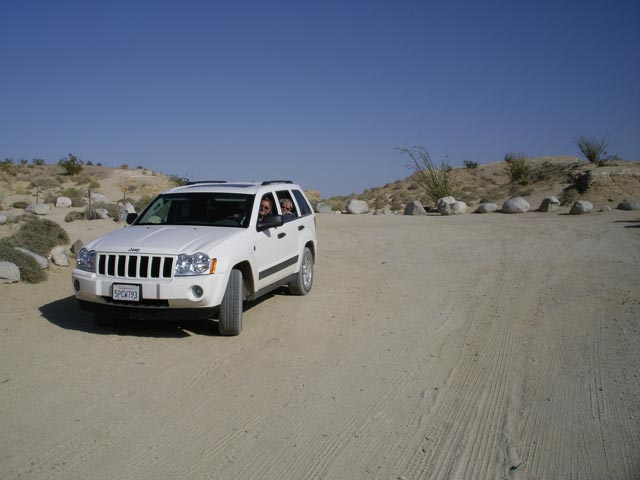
pixel 126 293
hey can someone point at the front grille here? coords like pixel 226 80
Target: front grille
pixel 134 266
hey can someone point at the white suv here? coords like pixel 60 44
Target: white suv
pixel 199 251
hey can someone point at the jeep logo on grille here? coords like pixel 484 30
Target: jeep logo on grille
pixel 136 250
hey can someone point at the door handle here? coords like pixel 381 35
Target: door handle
pixel 300 227
pixel 282 235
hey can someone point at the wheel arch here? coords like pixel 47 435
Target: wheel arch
pixel 247 276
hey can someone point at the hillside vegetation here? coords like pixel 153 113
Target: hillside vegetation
pixel 566 177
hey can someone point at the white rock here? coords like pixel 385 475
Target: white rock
pixel 515 205
pixel 96 198
pixel 43 262
pixel 63 202
pixel 550 204
pixel 450 206
pixel 102 213
pixel 322 207
pixel 629 205
pixel 414 208
pixel 486 208
pixel 3 219
pixel 9 272
pixel 59 257
pixel 357 206
pixel 38 208
pixel 580 207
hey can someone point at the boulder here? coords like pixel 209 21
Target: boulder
pixel 102 213
pixel 414 208
pixel 515 205
pixel 59 256
pixel 488 207
pixel 629 205
pixel 580 207
pixel 96 198
pixel 38 208
pixel 550 204
pixel 3 219
pixel 322 207
pixel 77 245
pixel 450 206
pixel 9 272
pixel 63 202
pixel 606 208
pixel 43 262
pixel 357 207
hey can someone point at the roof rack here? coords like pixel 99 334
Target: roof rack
pixel 205 181
pixel 271 182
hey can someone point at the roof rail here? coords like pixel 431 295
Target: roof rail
pixel 271 182
pixel 205 181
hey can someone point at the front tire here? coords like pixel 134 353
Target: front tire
pixel 303 282
pixel 230 316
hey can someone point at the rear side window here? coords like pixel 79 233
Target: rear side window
pixel 305 209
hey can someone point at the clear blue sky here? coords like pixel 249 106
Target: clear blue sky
pixel 320 92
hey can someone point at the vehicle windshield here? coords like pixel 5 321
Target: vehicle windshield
pixel 203 209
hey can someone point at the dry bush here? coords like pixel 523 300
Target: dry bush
pixel 30 271
pixel 39 235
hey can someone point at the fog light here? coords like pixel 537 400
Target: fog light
pixel 76 285
pixel 197 291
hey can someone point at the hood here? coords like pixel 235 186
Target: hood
pixel 163 239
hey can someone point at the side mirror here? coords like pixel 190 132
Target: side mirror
pixel 270 221
pixel 131 217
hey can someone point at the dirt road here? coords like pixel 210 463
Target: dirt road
pixel 471 347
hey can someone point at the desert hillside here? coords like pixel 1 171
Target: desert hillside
pixel 565 177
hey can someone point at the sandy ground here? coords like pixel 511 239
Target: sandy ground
pixel 472 347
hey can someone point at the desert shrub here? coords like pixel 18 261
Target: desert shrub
pixel 45 182
pixel 580 181
pixel 139 167
pixel 30 271
pixel 75 195
pixel 20 204
pixel 75 215
pixel 177 180
pixel 124 166
pixel 593 148
pixel 436 182
pixel 518 167
pixel 568 196
pixel 141 203
pixel 470 164
pixel 7 167
pixel 39 235
pixel 38 161
pixel 71 164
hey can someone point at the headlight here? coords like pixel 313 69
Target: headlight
pixel 196 264
pixel 86 260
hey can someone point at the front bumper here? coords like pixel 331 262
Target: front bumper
pixel 175 296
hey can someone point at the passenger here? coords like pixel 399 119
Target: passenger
pixel 265 208
pixel 287 209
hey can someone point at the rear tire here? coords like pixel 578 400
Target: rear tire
pixel 304 278
pixel 230 316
